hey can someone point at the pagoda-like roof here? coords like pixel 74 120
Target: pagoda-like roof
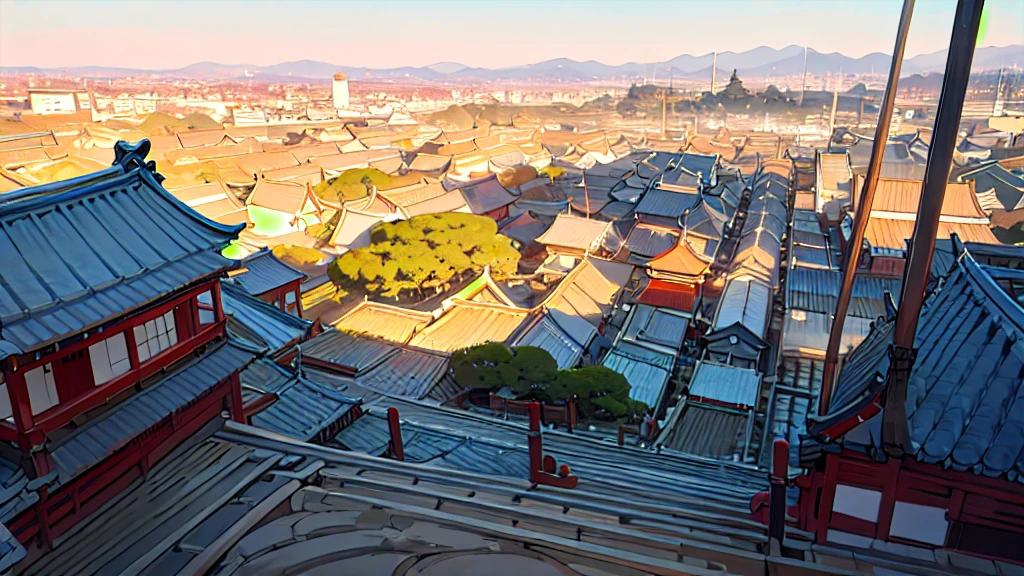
pixel 680 260
pixel 80 253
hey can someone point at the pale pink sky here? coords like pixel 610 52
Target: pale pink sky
pixel 487 33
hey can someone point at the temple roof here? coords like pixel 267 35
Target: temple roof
pixel 680 259
pixel 80 253
pixel 962 395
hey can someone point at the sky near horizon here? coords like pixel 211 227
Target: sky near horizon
pixel 157 34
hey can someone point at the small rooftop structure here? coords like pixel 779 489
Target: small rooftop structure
pixel 573 234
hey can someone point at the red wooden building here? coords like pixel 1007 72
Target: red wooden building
pixel 108 359
pixel 962 487
pixel 271 280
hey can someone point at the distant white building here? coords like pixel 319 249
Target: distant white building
pixel 57 101
pixel 339 91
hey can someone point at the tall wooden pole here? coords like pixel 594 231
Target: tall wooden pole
pixel 863 212
pixel 895 435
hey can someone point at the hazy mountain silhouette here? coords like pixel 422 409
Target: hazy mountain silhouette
pixel 757 62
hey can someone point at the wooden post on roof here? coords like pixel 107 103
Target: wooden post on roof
pixel 236 408
pixel 395 428
pixel 777 495
pixel 895 435
pixel 863 212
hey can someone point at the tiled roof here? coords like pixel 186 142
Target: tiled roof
pixel 650 241
pixel 79 253
pixel 992 178
pixel 470 323
pixel 264 272
pixel 384 321
pixel 264 325
pixel 214 201
pixel 666 203
pixel 964 385
pixel 679 260
pixel 346 352
pixel 890 233
pixel 725 384
pixel 286 197
pixel 705 431
pixel 746 301
pixel 646 368
pixel 565 336
pixel 591 289
pixel 574 232
pixel 903 196
pixel 486 195
pixel 665 294
pixel 111 431
pixel 816 290
pixel 304 407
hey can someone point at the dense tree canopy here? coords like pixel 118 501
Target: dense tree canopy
pixel 532 373
pixel 424 252
pixel 351 184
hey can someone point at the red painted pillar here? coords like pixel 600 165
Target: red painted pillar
pixel 395 426
pixel 888 502
pixel 828 495
pixel 534 441
pixel 21 407
pixel 218 309
pixel 777 492
pixel 237 410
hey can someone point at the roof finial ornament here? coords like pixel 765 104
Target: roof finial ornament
pixel 131 156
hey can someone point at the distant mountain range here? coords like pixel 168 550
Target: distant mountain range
pixel 755 63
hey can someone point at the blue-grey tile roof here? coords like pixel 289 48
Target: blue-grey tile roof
pixel 15 497
pixel 304 407
pixel 703 164
pixel 11 551
pixel 382 367
pixel 816 290
pixel 650 241
pixel 80 253
pixel 647 370
pixel 117 426
pixel 662 326
pixel 348 352
pixel 643 473
pixel 963 397
pixel 485 195
pixel 666 203
pixel 565 336
pixel 726 384
pixel 1008 187
pixel 703 430
pixel 259 322
pixel 264 272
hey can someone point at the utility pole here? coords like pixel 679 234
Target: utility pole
pixel 803 82
pixel 863 212
pixel 895 435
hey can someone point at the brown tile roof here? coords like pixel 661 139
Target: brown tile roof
pixel 890 233
pixel 903 196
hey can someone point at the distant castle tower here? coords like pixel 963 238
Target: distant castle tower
pixel 339 90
